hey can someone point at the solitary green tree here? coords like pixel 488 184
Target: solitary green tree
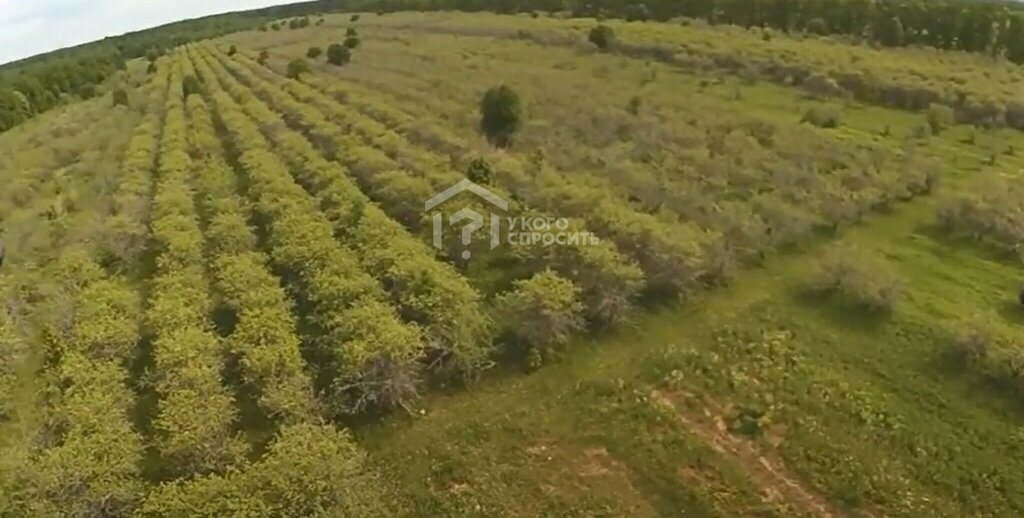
pixel 338 54
pixel 297 67
pixel 314 52
pixel 501 114
pixel 602 36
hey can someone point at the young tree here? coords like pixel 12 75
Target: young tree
pixel 501 114
pixel 602 36
pixel 338 54
pixel 314 52
pixel 296 68
pixel 120 97
pixel 541 313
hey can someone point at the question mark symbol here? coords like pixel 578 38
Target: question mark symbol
pixel 476 223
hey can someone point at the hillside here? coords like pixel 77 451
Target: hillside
pixel 700 270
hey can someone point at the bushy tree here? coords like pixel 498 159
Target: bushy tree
pixel 275 26
pixel 541 313
pixel 351 42
pixel 939 117
pixel 857 277
pixel 501 115
pixel 822 117
pixel 120 97
pixel 296 68
pixel 338 54
pixel 351 32
pixel 602 36
pixel 354 18
pixel 232 50
pixel 314 52
pixel 263 57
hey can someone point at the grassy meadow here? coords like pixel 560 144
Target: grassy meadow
pixel 804 301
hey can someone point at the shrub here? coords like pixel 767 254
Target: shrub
pixel 602 36
pixel 501 114
pixel 354 18
pixel 351 32
pixel 856 277
pixel 120 97
pixel 190 85
pixel 275 26
pixel 232 50
pixel 351 42
pixel 338 54
pixel 480 172
pixel 151 69
pixel 297 67
pixel 939 117
pixel 822 117
pixel 314 52
pixel 972 341
pixel 541 313
pixel 263 57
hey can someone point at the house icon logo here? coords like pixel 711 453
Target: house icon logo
pixel 475 219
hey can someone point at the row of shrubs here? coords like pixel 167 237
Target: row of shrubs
pixel 426 291
pixel 609 282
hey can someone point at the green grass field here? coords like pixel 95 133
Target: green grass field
pixel 742 390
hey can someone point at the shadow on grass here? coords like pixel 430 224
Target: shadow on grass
pixel 838 310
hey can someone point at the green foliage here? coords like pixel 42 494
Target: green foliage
pixel 351 32
pixel 541 313
pixel 858 278
pixel 275 26
pixel 190 85
pixel 263 57
pixel 992 213
pixel 354 18
pixel 232 50
pixel 338 54
pixel 822 117
pixel 817 26
pixel 298 67
pixel 939 117
pixel 636 13
pixel 119 97
pixel 314 52
pixel 351 42
pixel 309 470
pixel 480 171
pixel 501 115
pixel 602 36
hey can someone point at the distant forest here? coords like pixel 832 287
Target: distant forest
pixel 37 84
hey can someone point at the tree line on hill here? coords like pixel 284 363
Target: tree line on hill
pixel 996 28
pixel 34 85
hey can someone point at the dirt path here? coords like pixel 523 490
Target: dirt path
pixel 768 474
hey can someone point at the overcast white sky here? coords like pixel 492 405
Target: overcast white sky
pixel 29 27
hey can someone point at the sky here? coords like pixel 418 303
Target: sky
pixel 29 27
